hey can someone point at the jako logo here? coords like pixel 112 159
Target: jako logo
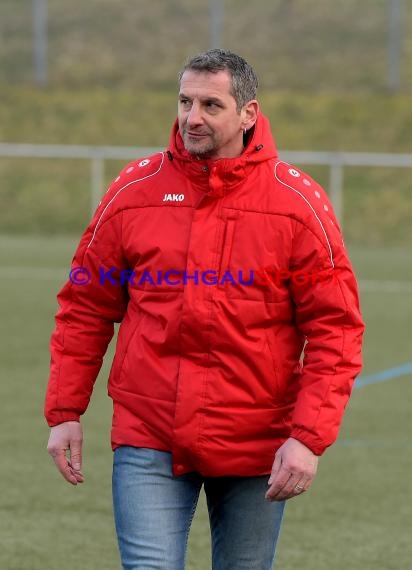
pixel 173 198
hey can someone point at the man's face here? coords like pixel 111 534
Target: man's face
pixel 209 122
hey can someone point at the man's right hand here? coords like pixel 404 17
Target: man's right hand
pixel 67 437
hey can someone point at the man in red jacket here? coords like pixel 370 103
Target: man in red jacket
pixel 240 332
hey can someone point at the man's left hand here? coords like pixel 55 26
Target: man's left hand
pixel 293 471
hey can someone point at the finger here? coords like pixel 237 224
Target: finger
pixel 293 486
pixel 76 473
pixel 299 487
pixel 304 484
pixel 278 483
pixel 277 464
pixel 286 491
pixel 75 462
pixel 63 466
pixel 76 454
pixel 280 479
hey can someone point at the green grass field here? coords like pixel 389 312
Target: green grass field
pixel 297 44
pixel 323 72
pixel 52 195
pixel 356 517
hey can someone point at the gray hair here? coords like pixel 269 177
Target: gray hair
pixel 244 79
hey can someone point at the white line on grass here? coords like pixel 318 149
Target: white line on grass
pixel 404 369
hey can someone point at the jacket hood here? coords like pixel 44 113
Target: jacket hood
pixel 220 175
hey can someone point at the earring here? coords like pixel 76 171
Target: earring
pixel 244 130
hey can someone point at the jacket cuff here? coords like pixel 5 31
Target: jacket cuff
pixel 57 418
pixel 313 442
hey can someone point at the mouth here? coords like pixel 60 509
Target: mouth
pixel 196 135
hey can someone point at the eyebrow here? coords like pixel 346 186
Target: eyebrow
pixel 203 99
pixel 214 100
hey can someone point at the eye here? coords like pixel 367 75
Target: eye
pixel 213 107
pixel 184 102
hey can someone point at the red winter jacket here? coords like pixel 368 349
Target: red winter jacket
pixel 208 361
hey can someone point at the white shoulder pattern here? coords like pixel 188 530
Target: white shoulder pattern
pixel 141 164
pixel 293 172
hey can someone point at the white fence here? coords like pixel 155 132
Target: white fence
pixel 336 161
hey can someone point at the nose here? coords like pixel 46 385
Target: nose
pixel 194 117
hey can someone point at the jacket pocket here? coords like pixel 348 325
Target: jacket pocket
pixel 124 340
pixel 227 245
pixel 273 354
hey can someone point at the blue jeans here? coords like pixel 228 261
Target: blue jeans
pixel 153 512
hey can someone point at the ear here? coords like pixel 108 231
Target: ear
pixel 249 114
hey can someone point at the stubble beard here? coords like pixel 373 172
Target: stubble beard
pixel 200 148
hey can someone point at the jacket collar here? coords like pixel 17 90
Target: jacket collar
pixel 217 177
